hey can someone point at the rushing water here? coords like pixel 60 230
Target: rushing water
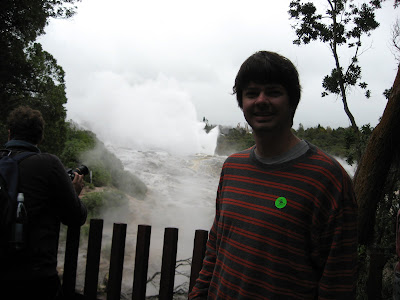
pixel 181 193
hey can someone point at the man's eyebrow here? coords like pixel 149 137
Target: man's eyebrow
pixel 267 86
pixel 274 85
pixel 252 88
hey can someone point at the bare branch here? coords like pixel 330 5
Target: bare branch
pixel 396 39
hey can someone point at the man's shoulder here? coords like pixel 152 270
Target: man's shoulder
pixel 325 160
pixel 44 156
pixel 42 160
pixel 244 154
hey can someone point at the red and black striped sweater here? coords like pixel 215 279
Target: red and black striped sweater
pixel 285 231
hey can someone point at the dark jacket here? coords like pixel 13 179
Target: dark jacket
pixel 49 199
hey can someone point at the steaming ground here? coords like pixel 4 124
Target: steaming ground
pixel 181 194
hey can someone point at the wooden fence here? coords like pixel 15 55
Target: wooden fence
pixel 167 279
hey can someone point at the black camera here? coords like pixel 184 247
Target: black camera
pixel 81 170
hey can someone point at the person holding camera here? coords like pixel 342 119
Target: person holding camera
pixel 50 198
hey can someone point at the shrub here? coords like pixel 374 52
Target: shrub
pixel 96 202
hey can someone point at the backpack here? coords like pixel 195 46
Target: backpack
pixel 9 178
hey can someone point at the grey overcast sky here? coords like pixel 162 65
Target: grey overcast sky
pixel 133 66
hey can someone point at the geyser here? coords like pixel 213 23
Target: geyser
pixel 149 115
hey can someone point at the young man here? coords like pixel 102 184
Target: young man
pixel 285 222
pixel 50 197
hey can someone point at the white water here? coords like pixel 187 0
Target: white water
pixel 181 193
pixel 152 127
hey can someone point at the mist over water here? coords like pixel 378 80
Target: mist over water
pixel 153 128
pixel 142 115
pixel 181 193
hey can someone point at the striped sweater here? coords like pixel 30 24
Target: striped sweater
pixel 285 231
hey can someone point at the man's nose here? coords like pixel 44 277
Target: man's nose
pixel 262 99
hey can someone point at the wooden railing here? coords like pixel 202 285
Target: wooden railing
pixel 167 280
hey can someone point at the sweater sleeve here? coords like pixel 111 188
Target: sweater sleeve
pixel 200 290
pixel 338 242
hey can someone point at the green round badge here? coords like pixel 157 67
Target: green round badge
pixel 280 202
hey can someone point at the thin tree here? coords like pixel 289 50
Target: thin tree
pixel 348 24
pixel 343 24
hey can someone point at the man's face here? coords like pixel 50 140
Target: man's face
pixel 266 107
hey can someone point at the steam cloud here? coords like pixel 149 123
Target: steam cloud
pixel 142 114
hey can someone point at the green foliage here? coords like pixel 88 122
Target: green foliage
pixel 129 183
pixel 78 141
pixel 353 146
pixel 330 140
pixel 386 93
pixel 343 24
pixel 96 202
pixel 29 75
pixel 341 142
pixel 83 147
pixel 337 142
pixel 234 140
pixel 101 176
pixel 43 90
pixel 47 94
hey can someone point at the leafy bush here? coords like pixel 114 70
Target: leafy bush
pixel 83 147
pixel 78 141
pixel 129 183
pixel 93 202
pixel 101 176
pixel 96 202
pixel 236 139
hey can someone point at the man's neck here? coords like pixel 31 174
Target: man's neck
pixel 269 144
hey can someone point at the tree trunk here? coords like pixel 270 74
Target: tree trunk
pixel 370 177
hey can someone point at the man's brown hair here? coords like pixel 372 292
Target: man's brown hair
pixel 268 67
pixel 26 124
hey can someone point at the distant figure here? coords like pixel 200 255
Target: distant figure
pixel 286 214
pixel 50 197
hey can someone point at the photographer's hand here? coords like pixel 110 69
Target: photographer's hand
pixel 78 183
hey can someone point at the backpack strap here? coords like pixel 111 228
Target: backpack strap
pixel 19 156
pixel 7 172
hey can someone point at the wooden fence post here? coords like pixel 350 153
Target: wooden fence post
pixel 93 258
pixel 116 262
pixel 168 266
pixel 199 250
pixel 167 279
pixel 71 261
pixel 141 262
